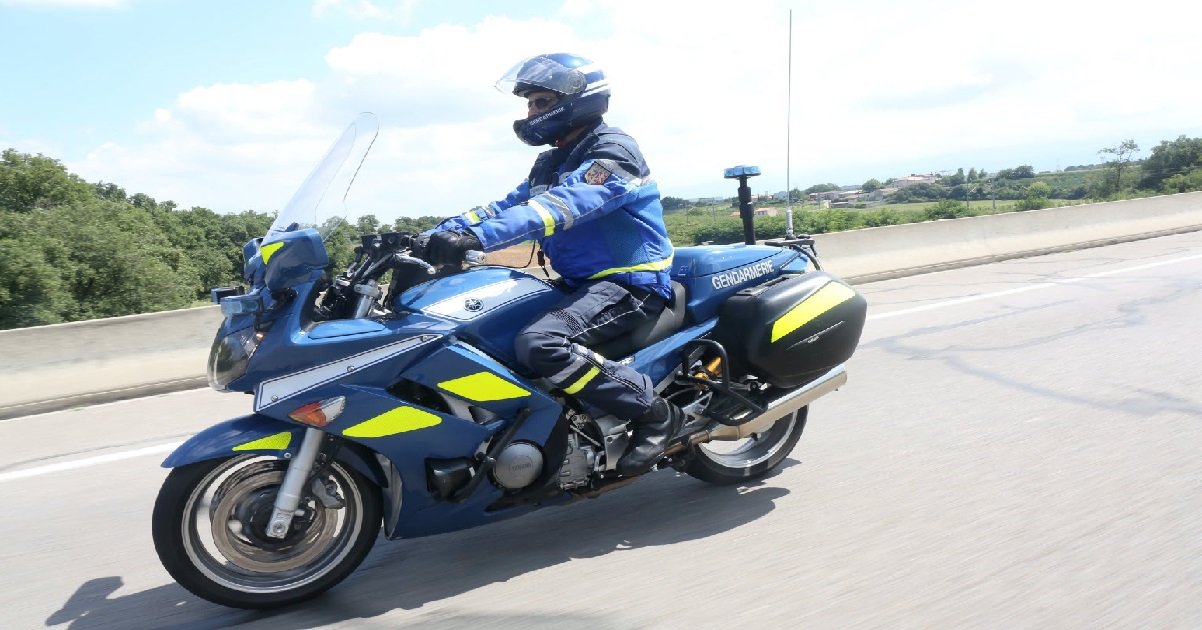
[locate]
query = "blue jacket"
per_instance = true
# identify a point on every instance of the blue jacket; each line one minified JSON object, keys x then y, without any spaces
{"x":593,"y":209}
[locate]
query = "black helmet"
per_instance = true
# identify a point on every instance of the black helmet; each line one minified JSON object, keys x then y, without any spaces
{"x":581,"y":85}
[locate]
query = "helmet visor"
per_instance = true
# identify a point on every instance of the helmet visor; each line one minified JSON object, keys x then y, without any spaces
{"x":541,"y":73}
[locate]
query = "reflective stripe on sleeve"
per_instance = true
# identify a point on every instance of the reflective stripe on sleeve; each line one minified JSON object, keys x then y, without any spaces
{"x":547,"y":217}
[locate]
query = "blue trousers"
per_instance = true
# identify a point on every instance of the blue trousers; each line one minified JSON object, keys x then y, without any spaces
{"x":556,"y":346}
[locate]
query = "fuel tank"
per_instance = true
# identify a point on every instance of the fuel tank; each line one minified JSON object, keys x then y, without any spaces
{"x":488,"y":304}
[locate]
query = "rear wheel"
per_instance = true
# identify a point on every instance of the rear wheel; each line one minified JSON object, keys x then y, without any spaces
{"x":210,"y":521}
{"x":726,"y":462}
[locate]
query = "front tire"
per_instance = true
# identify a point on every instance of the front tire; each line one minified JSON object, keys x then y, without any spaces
{"x":209,"y":523}
{"x":723,"y":462}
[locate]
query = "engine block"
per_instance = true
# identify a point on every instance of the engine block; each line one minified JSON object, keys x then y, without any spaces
{"x":578,"y":463}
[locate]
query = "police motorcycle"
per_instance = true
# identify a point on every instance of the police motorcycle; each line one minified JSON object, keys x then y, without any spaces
{"x":403,"y":407}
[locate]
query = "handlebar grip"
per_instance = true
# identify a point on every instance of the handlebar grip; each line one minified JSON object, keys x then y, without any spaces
{"x":474,"y":257}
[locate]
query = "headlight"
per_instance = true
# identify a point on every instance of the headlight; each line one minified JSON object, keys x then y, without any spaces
{"x":229,"y":356}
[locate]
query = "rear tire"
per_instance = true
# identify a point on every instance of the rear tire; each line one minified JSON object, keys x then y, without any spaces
{"x":723,"y":462}
{"x":208,"y":529}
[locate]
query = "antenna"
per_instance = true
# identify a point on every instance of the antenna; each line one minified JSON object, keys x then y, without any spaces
{"x":788,"y":143}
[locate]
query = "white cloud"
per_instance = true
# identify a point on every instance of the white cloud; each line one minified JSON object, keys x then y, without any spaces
{"x":879,"y":90}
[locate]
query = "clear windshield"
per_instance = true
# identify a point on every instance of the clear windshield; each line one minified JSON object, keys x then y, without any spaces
{"x":321,"y":201}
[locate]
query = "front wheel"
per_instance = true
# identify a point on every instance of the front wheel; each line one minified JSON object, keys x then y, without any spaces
{"x":725,"y":462}
{"x":209,"y":529}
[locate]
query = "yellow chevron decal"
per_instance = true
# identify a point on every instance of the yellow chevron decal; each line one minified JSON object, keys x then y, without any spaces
{"x":269,"y":249}
{"x":277,"y":442}
{"x":483,"y":387}
{"x":392,"y":422}
{"x":829,"y":296}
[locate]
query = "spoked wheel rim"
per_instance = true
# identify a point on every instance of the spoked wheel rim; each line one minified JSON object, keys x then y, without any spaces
{"x":750,"y":451}
{"x":225,"y":519}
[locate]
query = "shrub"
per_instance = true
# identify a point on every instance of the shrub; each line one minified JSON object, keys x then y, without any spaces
{"x":1031,"y":203}
{"x":947,"y":209}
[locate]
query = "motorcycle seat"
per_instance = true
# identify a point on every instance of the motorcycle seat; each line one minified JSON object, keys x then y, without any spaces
{"x":670,"y":320}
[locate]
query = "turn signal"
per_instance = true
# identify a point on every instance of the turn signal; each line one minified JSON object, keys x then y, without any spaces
{"x":320,"y":413}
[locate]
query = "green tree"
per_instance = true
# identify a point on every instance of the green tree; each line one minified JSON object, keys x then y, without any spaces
{"x":29,"y":181}
{"x":871,"y":185}
{"x":33,"y":288}
{"x":111,"y":192}
{"x":674,"y":203}
{"x":1039,"y":189}
{"x":1177,"y":157}
{"x":1121,"y":159}
{"x":415,"y":225}
{"x":114,"y":260}
{"x":821,"y":188}
{"x":367,"y":224}
{"x":1036,"y":197}
{"x":1183,"y":182}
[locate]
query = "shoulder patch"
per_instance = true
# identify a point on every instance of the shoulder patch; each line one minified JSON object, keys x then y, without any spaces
{"x":597,"y":174}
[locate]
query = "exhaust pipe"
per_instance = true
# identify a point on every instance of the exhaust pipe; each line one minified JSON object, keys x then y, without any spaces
{"x":787,"y":404}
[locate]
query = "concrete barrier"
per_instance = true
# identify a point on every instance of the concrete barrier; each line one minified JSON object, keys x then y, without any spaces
{"x":82,"y":363}
{"x":901,"y":250}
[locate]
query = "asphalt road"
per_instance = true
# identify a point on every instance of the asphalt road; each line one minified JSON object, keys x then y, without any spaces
{"x":1018,"y":446}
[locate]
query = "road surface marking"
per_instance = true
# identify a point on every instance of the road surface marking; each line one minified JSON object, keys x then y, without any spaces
{"x":87,"y":462}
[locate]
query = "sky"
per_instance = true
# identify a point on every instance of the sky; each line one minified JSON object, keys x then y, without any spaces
{"x":228,"y":104}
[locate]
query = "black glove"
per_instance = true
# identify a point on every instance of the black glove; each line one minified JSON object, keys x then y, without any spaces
{"x":418,"y":245}
{"x":447,"y":247}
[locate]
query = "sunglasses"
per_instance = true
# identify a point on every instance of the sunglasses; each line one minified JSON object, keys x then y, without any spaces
{"x":541,"y":103}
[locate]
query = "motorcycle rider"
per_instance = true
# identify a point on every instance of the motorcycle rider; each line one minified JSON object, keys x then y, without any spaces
{"x":596,"y":214}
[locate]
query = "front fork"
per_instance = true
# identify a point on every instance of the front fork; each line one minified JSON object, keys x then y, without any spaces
{"x":288,"y":499}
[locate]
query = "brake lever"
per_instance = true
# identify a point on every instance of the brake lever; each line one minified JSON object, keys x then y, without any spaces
{"x":402,"y":259}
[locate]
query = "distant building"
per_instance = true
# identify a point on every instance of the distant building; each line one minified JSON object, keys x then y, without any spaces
{"x":761,"y":212}
{"x":910,"y":180}
{"x":836,"y":196}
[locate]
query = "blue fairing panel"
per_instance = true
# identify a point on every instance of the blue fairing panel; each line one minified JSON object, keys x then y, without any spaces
{"x":248,"y":434}
{"x":260,"y":434}
{"x":713,"y":273}
{"x":663,"y":357}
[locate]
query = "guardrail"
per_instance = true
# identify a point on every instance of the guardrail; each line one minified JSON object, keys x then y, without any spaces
{"x":60,"y":366}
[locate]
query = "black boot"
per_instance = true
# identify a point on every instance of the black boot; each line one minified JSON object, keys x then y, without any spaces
{"x":652,"y":430}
